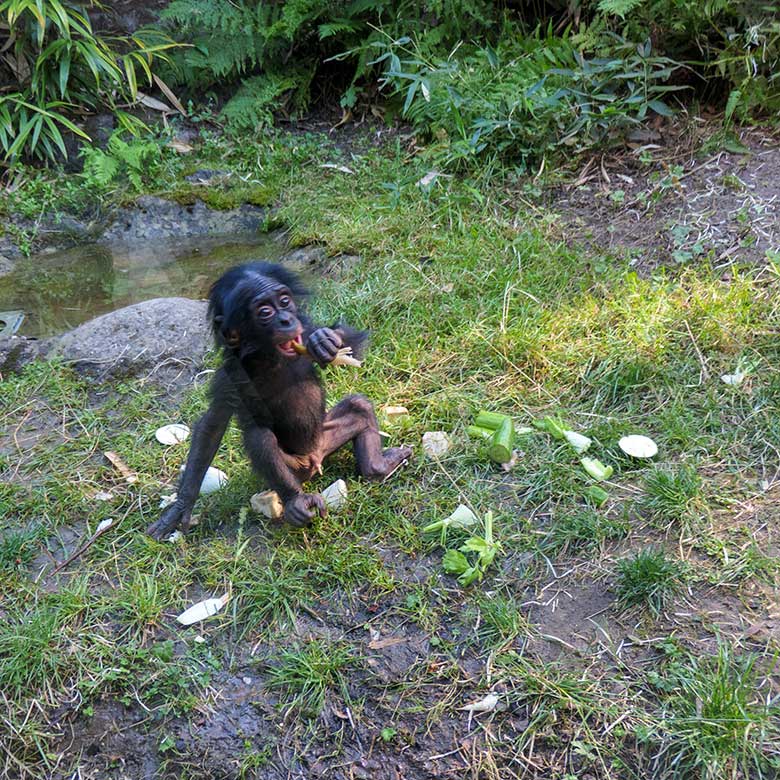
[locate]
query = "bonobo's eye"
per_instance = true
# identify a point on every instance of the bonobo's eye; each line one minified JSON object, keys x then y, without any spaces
{"x":285,"y":301}
{"x":265,"y":312}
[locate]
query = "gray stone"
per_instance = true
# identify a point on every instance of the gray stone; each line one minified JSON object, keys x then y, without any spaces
{"x":17,"y":351}
{"x":155,"y":218}
{"x":155,"y":334}
{"x":6,"y":265}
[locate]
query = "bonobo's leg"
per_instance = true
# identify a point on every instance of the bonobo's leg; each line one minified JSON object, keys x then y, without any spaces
{"x":353,"y":419}
{"x":206,"y":436}
{"x":284,"y":473}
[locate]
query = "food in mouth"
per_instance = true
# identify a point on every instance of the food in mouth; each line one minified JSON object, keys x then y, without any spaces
{"x":292,"y":347}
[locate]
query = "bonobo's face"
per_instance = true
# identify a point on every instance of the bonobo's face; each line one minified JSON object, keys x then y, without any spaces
{"x":275,"y":315}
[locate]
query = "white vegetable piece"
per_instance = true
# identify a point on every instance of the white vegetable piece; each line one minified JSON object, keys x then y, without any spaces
{"x":172,"y":434}
{"x":267,"y":503}
{"x":202,"y":610}
{"x":638,"y":446}
{"x":104,"y":524}
{"x":435,"y":443}
{"x":735,"y":379}
{"x":488,"y":704}
{"x":392,"y":413}
{"x":166,"y":501}
{"x":336,"y":494}
{"x":462,"y":517}
{"x":213,"y":481}
{"x":579,"y":442}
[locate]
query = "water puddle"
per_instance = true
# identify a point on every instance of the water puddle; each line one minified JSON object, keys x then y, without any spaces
{"x":60,"y":290}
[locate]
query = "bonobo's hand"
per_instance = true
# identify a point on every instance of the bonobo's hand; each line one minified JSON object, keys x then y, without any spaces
{"x":323,"y":345}
{"x":175,"y":516}
{"x":299,"y":511}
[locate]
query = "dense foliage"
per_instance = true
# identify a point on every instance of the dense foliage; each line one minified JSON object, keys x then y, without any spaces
{"x":53,"y":66}
{"x":475,"y":77}
{"x":483,"y":77}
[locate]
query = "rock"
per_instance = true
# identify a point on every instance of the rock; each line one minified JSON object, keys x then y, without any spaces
{"x":303,"y":256}
{"x":6,"y":265}
{"x":17,"y":351}
{"x":208,"y":176}
{"x":171,"y":331}
{"x":154,"y":218}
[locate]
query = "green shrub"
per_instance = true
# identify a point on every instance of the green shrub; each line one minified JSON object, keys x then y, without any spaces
{"x":276,"y":49}
{"x":529,"y":96}
{"x":56,"y":63}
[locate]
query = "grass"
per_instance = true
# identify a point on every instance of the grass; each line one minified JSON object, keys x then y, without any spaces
{"x":352,"y":626}
{"x":648,"y":579}
{"x":306,"y":673}
{"x":719,"y":720}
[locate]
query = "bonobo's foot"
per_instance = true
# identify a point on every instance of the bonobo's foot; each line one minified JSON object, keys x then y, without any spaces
{"x":392,"y":460}
{"x":175,"y":516}
{"x":299,"y":510}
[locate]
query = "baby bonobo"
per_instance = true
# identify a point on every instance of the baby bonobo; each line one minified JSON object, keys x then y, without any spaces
{"x":277,"y":396}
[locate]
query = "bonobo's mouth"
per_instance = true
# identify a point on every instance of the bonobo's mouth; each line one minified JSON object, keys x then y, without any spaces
{"x":287,"y":348}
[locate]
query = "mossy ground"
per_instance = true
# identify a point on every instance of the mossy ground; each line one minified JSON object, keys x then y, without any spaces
{"x":345,"y":650}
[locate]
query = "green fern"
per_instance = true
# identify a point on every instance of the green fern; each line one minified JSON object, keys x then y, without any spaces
{"x":251,"y":108}
{"x":132,"y":160}
{"x":619,"y":7}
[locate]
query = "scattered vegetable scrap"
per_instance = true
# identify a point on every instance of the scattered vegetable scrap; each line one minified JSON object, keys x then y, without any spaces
{"x":336,"y":494}
{"x":456,"y":561}
{"x":213,"y":480}
{"x":462,"y":517}
{"x":487,"y":704}
{"x":435,"y":444}
{"x":555,"y":427}
{"x":638,"y":446}
{"x":394,"y":413}
{"x":743,"y":368}
{"x":596,"y":469}
{"x":596,"y":496}
{"x":202,"y":610}
{"x":172,"y":434}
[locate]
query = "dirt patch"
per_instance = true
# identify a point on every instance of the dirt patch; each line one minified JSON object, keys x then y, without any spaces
{"x":684,"y":205}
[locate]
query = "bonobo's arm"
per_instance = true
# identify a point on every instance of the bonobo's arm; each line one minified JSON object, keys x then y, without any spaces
{"x":268,"y":459}
{"x":206,"y":436}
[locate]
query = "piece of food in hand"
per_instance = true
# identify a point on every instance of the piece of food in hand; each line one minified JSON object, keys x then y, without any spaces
{"x":343,"y":356}
{"x":268,"y":504}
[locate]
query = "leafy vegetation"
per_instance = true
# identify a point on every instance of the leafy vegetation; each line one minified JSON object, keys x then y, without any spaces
{"x":55,"y":66}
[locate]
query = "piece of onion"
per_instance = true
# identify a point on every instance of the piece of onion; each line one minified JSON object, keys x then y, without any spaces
{"x":343,"y":356}
{"x":638,"y":446}
{"x":172,"y":434}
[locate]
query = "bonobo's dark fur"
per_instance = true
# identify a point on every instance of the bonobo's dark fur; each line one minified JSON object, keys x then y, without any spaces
{"x":277,"y":395}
